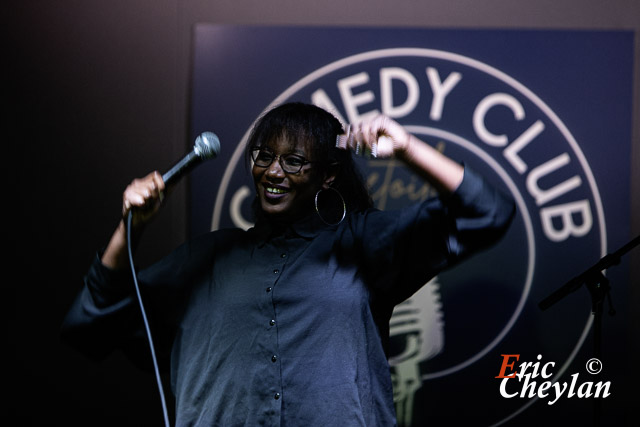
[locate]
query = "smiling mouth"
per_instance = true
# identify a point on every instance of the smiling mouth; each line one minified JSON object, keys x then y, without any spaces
{"x":274,"y":190}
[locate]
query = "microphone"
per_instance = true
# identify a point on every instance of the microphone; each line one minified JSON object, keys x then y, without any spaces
{"x":207,"y":146}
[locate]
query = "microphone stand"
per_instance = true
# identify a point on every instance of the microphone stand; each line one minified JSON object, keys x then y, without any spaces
{"x":599,"y":287}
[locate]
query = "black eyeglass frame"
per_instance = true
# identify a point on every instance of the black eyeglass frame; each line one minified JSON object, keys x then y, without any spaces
{"x":286,"y":168}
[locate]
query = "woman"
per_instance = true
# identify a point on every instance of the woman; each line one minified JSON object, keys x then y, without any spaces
{"x":287,"y":323}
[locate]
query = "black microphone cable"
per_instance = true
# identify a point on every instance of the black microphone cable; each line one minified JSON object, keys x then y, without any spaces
{"x":146,"y":322}
{"x":207,"y":146}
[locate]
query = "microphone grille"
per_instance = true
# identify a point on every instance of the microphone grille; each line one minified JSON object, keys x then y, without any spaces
{"x":207,"y":145}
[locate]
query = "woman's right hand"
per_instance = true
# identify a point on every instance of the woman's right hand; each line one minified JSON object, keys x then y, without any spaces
{"x":144,"y":198}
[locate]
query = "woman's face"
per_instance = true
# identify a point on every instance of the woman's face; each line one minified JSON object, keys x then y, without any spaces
{"x":282,"y":194}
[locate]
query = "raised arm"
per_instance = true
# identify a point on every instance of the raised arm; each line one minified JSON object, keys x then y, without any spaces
{"x":405,"y":248}
{"x":384,"y":137}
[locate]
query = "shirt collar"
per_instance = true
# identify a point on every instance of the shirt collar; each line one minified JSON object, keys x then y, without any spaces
{"x":307,"y":227}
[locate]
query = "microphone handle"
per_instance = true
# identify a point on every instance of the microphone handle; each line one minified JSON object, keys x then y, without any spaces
{"x":180,"y":168}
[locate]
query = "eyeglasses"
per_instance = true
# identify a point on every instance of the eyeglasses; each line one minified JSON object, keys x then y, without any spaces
{"x":290,"y":163}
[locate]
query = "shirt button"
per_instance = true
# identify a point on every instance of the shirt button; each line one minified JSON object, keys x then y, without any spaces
{"x":283,"y":255}
{"x":272,"y":322}
{"x":269,"y":289}
{"x":276,"y":271}
{"x":274,"y":358}
{"x":276,"y":396}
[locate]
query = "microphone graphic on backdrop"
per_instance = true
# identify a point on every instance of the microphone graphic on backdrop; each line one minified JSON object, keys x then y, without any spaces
{"x":207,"y":146}
{"x":418,"y":320}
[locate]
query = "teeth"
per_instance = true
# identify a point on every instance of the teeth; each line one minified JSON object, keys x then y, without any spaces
{"x":275,"y":190}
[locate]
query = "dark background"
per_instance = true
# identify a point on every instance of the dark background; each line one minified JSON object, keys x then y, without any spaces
{"x":96,"y":93}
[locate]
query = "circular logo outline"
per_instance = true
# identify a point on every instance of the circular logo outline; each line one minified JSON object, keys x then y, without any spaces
{"x":472,"y":63}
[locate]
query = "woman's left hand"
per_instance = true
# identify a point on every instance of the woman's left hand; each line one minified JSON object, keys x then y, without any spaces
{"x":382,"y":137}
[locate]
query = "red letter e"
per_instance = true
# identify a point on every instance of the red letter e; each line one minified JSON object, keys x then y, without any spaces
{"x":506,"y":365}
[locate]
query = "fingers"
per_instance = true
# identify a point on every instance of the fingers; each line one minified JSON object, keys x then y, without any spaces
{"x":347,"y":141}
{"x":145,"y":194}
{"x":356,"y":140}
{"x":380,"y":137}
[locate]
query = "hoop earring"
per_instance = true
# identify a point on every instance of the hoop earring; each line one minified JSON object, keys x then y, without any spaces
{"x":344,"y":206}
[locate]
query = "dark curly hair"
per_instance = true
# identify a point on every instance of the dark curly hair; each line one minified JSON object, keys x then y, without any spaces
{"x":298,"y":121}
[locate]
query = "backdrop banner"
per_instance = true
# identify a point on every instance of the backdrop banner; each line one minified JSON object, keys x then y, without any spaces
{"x":545,"y":115}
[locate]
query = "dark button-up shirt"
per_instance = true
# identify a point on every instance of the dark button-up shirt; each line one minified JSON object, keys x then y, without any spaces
{"x":288,"y":325}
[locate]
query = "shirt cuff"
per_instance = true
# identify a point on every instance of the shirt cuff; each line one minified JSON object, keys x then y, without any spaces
{"x":106,"y":284}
